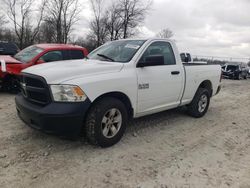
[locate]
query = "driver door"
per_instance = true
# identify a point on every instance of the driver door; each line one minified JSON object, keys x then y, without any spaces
{"x":159,"y":87}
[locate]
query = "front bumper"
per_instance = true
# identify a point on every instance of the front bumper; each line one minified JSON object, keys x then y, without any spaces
{"x":64,"y":119}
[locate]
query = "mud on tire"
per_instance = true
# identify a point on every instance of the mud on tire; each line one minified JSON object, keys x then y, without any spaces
{"x":96,"y":118}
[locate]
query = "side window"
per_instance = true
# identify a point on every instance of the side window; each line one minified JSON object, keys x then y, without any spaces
{"x":52,"y":56}
{"x":160,"y":49}
{"x":76,"y":54}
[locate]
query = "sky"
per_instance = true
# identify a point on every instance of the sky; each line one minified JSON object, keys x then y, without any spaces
{"x":202,"y":27}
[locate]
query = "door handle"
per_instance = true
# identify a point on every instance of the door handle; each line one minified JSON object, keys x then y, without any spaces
{"x":175,"y":72}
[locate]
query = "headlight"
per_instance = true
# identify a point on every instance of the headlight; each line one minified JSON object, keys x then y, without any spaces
{"x":67,"y":93}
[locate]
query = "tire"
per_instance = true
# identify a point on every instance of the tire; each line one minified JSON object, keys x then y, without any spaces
{"x":95,"y":128}
{"x":194,"y":108}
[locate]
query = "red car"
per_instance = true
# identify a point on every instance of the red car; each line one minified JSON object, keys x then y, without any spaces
{"x":11,"y":67}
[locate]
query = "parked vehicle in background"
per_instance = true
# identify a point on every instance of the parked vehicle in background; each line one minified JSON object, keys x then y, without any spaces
{"x":187,"y":58}
{"x":235,"y":71}
{"x":119,"y":80}
{"x":11,"y":67}
{"x":8,"y":48}
{"x":248,"y":71}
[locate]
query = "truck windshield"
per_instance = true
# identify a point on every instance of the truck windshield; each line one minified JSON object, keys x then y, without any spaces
{"x":117,"y":51}
{"x":28,"y":54}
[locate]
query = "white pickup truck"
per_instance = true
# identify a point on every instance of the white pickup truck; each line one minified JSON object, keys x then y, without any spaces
{"x":119,"y":80}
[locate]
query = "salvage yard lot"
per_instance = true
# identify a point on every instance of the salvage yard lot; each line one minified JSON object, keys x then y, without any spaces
{"x":169,"y":149}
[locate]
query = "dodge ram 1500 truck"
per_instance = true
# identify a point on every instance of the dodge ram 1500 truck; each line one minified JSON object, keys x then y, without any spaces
{"x":117,"y":81}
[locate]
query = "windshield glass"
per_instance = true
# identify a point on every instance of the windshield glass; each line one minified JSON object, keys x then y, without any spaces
{"x":28,"y":54}
{"x":118,"y":51}
{"x":232,"y":67}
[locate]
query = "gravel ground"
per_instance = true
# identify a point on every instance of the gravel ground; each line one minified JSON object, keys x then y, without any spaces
{"x":169,"y":149}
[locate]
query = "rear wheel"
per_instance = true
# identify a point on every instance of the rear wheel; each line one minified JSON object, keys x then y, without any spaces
{"x":199,"y":105}
{"x":106,"y":122}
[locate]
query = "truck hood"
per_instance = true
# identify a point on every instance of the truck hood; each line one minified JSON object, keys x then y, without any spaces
{"x":9,"y":60}
{"x":62,"y":71}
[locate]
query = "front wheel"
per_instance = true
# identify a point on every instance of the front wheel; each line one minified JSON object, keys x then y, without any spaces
{"x":199,"y":105}
{"x":106,"y":122}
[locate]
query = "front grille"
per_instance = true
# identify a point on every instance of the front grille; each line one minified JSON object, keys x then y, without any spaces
{"x":35,"y":89}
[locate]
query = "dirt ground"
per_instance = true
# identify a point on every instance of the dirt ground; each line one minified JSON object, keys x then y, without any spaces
{"x":169,"y":149}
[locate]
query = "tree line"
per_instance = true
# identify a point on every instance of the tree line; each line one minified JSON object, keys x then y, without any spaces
{"x":52,"y":21}
{"x":29,"y":21}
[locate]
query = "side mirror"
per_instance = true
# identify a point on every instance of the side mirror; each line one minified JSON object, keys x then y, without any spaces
{"x":154,"y":60}
{"x":186,"y":57}
{"x":189,"y":59}
{"x":39,"y":61}
{"x":183,"y":57}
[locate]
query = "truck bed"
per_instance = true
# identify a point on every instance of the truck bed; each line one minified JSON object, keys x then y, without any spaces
{"x":195,"y":73}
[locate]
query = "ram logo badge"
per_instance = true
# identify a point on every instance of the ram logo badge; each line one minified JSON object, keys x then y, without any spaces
{"x":143,"y":86}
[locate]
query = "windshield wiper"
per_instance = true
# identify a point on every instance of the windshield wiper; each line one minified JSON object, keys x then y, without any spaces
{"x":106,"y":57}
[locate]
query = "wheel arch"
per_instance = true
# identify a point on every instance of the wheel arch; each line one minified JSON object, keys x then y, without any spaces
{"x":120,"y":96}
{"x":207,"y":84}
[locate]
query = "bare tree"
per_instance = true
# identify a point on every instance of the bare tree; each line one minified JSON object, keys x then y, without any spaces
{"x":2,"y":20}
{"x":132,"y":12}
{"x":62,"y":15}
{"x":119,"y":20}
{"x":98,"y":24}
{"x":40,"y":16}
{"x":113,"y":22}
{"x":47,"y":32}
{"x":8,"y":35}
{"x":165,"y":33}
{"x":19,"y":12}
{"x":70,"y":12}
{"x":88,"y":42}
{"x":19,"y":26}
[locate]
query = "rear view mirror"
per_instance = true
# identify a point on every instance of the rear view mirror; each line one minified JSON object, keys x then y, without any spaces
{"x":154,"y":60}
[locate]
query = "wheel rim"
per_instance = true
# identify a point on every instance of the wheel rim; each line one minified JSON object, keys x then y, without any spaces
{"x":111,"y":123}
{"x":202,"y":103}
